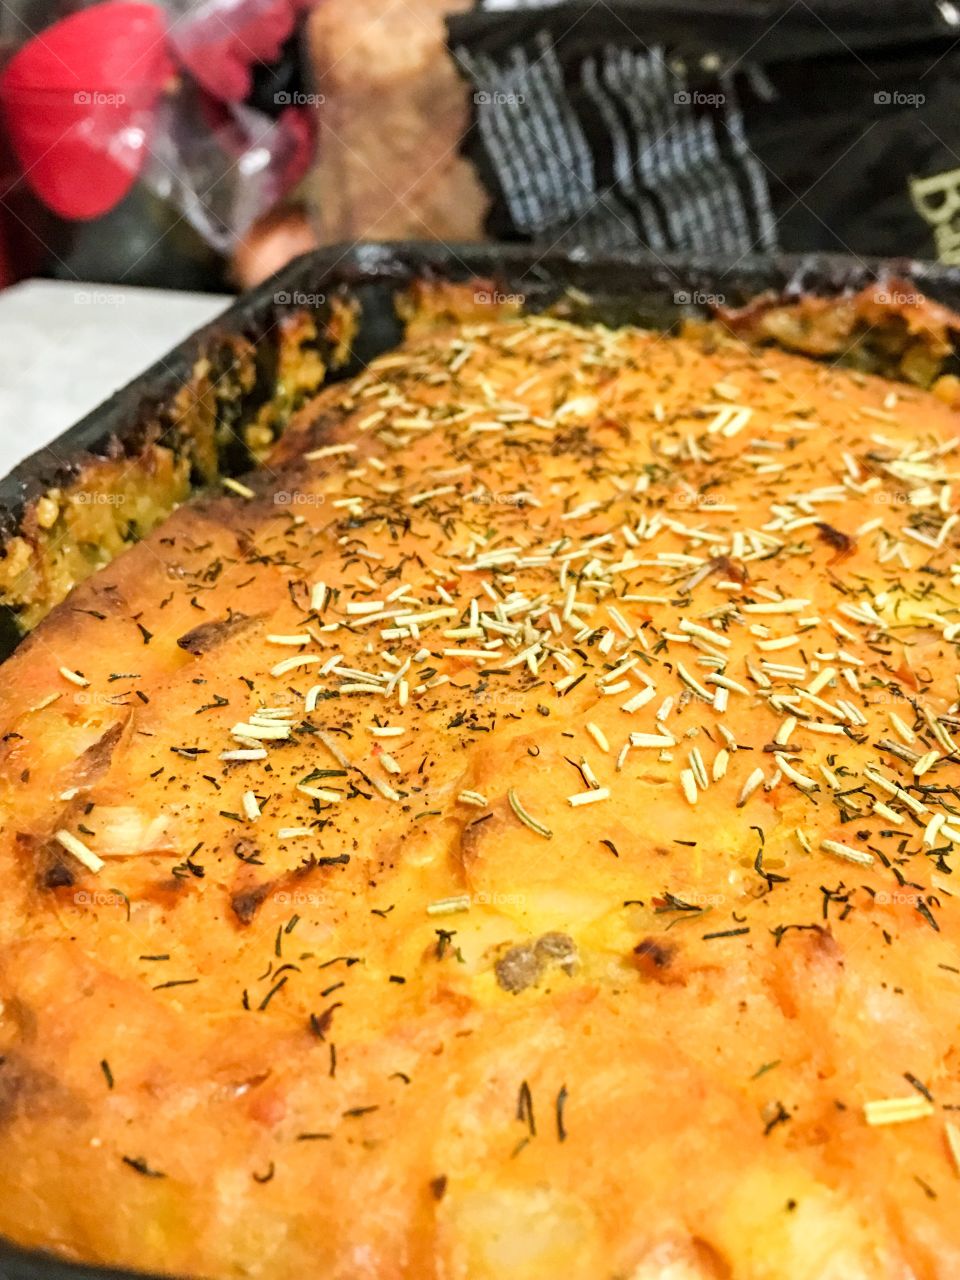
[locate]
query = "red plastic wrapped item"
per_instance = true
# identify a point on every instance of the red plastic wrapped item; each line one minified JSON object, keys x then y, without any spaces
{"x":78,"y":103}
{"x":219,"y":43}
{"x":199,"y":105}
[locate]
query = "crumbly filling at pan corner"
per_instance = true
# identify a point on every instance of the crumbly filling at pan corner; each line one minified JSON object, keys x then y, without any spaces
{"x":513,"y":833}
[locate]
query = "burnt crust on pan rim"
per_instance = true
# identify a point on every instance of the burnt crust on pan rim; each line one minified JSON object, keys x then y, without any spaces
{"x":81,"y":507}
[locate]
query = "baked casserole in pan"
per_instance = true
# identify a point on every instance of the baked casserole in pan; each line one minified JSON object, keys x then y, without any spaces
{"x":512,"y":831}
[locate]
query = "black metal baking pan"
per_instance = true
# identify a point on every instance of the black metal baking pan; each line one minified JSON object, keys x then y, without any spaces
{"x":638,"y":288}
{"x":365,"y":281}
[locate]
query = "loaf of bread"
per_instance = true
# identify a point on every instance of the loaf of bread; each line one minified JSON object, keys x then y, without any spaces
{"x":393,"y":115}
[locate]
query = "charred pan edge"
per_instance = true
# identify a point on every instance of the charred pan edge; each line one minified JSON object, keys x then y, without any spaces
{"x":214,"y":405}
{"x":22,"y":1264}
{"x":257,"y":361}
{"x":212,"y":408}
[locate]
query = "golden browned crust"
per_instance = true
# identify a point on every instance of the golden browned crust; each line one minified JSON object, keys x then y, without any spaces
{"x":580,"y":900}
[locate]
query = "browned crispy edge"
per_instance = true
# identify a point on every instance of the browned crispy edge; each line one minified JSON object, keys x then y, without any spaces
{"x":218,"y":421}
{"x":889,"y":327}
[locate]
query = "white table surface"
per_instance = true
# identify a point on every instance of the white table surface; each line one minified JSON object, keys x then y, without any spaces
{"x":64,"y":347}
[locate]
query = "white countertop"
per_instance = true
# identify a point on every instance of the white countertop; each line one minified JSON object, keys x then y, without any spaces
{"x":65,"y":346}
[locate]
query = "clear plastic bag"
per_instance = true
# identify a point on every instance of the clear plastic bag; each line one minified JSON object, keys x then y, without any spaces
{"x":226,"y":174}
{"x":203,"y":105}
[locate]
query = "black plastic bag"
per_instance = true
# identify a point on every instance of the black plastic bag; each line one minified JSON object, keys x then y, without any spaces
{"x":731,"y":127}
